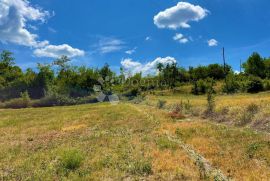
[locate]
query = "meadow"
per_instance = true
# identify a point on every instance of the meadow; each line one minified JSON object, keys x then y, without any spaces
{"x":135,"y":141}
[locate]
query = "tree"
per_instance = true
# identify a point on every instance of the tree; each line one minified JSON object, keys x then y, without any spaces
{"x":8,"y":72}
{"x":62,"y":62}
{"x":6,"y":59}
{"x":42,"y":82}
{"x":267,"y":67}
{"x":255,"y":66}
{"x":170,"y":74}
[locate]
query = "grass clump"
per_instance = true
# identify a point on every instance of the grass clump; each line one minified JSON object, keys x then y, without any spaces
{"x":71,"y":159}
{"x":248,"y":114}
{"x":141,"y":168}
{"x":164,"y":143}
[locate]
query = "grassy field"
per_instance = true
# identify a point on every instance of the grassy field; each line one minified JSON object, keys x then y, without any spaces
{"x":230,"y":109}
{"x":129,"y":142}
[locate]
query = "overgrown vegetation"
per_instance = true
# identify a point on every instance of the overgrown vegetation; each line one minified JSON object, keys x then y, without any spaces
{"x":60,"y":83}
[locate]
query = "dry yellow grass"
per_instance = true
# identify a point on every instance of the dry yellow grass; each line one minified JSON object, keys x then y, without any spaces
{"x":127,"y":142}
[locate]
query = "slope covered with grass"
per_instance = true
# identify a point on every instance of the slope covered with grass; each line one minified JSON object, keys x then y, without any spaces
{"x":123,"y":142}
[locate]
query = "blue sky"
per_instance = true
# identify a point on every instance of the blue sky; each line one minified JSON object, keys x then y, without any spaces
{"x":124,"y":32}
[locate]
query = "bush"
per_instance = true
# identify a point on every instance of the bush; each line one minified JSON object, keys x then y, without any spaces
{"x":266,"y":85}
{"x":19,"y":103}
{"x":210,"y":100}
{"x":201,"y":87}
{"x":71,"y":159}
{"x":231,"y":85}
{"x":161,"y":104}
{"x":132,"y":92}
{"x":57,"y":100}
{"x":248,"y":114}
{"x":254,"y":84}
{"x":2,"y":105}
{"x":47,"y":101}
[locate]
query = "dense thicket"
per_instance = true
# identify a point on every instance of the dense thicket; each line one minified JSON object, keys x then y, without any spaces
{"x":59,"y":80}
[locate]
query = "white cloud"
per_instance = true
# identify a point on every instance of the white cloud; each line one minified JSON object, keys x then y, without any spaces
{"x":14,"y":18}
{"x":130,"y":52}
{"x":55,"y":51}
{"x":109,"y":45}
{"x":148,"y":38}
{"x":180,"y":38}
{"x":134,"y":67}
{"x":179,"y":16}
{"x":14,"y":14}
{"x":212,"y":43}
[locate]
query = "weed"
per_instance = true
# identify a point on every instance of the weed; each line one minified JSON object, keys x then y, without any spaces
{"x":178,"y":132}
{"x":252,"y":108}
{"x":164,"y":143}
{"x":141,"y":168}
{"x":248,"y":114}
{"x":71,"y":159}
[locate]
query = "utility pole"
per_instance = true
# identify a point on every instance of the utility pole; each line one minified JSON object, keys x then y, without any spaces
{"x":224,"y":62}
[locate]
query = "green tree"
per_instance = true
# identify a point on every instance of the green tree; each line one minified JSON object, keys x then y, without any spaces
{"x":255,"y":66}
{"x":42,"y":82}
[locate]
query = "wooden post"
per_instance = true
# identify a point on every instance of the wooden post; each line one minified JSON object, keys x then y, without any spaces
{"x":224,"y":62}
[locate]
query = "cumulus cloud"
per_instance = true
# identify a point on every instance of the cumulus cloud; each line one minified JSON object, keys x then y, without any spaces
{"x":212,"y":43}
{"x":179,"y":16}
{"x":180,"y":38}
{"x":109,"y":45}
{"x":134,"y":67}
{"x":55,"y":51}
{"x":15,"y":16}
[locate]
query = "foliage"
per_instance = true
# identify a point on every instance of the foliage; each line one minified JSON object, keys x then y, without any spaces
{"x":71,"y":159}
{"x":60,"y":83}
{"x":201,"y":87}
{"x":164,"y":143}
{"x":254,"y":84}
{"x":231,"y":85}
{"x":255,"y":66}
{"x":266,"y":85}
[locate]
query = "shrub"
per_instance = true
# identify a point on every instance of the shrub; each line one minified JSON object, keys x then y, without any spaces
{"x":2,"y":105}
{"x":252,"y":108}
{"x":201,"y":87}
{"x":210,"y":99}
{"x":71,"y":159}
{"x":231,"y":85}
{"x":161,"y":104}
{"x":138,"y":99}
{"x":132,"y":92}
{"x":266,"y":85}
{"x":248,"y":114}
{"x":254,"y":85}
{"x":18,"y":103}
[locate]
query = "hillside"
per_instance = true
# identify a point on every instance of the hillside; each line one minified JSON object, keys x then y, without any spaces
{"x":127,"y":142}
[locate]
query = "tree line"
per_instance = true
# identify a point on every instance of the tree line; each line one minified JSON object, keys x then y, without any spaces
{"x":60,"y":80}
